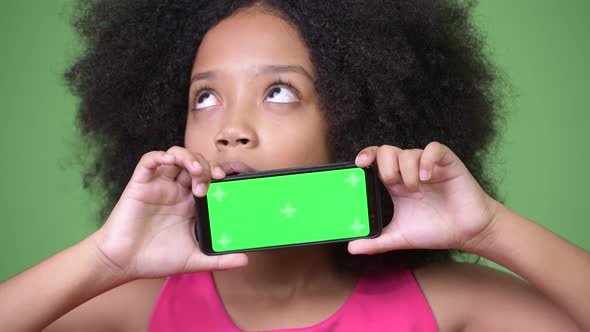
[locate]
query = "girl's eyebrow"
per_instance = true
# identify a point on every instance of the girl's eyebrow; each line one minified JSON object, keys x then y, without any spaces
{"x":203,"y":76}
{"x":277,"y":69}
{"x":264,"y":69}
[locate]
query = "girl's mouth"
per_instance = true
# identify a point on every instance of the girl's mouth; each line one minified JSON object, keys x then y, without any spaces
{"x":234,"y":167}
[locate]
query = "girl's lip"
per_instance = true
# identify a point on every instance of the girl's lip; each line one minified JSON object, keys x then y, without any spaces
{"x":235,"y":166}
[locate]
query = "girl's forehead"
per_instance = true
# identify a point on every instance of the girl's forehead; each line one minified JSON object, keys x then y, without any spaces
{"x":252,"y":38}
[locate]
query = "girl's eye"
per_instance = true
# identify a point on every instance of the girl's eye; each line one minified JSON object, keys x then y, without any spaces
{"x":206,"y":99}
{"x":281,"y":95}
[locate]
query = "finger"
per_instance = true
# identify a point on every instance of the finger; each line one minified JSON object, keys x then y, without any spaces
{"x":149,"y":164}
{"x":434,"y":154}
{"x":187,"y":172}
{"x":185,"y":159}
{"x":384,"y":243}
{"x":387,"y":160}
{"x":196,"y":166}
{"x":366,"y":156}
{"x":201,"y":262}
{"x":172,"y":171}
{"x":196,"y":176}
{"x":409,"y":163}
{"x":184,"y":177}
{"x":201,"y":182}
{"x":217,"y":171}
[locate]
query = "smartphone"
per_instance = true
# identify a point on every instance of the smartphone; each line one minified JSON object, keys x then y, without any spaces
{"x":288,"y":208}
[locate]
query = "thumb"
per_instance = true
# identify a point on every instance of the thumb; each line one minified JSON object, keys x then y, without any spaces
{"x":200,"y":262}
{"x":385,"y":242}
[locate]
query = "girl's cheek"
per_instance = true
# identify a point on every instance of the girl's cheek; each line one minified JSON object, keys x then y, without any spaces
{"x":198,"y":138}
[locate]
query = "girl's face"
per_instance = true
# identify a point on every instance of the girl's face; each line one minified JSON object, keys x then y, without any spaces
{"x":252,"y":97}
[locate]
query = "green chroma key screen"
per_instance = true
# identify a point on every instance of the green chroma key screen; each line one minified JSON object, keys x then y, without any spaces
{"x":288,"y":209}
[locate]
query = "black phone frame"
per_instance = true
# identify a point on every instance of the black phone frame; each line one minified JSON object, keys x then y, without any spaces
{"x":202,"y":229}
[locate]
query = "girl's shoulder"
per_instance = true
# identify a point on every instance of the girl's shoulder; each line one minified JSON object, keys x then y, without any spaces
{"x":466,"y":296}
{"x":125,"y":308}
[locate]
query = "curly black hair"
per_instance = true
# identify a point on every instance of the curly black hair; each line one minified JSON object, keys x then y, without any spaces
{"x":399,"y":72}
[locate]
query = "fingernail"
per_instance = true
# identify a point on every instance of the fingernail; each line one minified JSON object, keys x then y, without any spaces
{"x":361,"y":158}
{"x":424,"y":175}
{"x":218,"y":171}
{"x":201,"y":189}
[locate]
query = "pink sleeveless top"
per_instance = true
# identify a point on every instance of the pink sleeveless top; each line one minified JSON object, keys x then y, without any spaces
{"x":389,"y":302}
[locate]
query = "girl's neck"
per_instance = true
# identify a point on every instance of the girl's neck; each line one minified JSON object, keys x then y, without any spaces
{"x":285,"y":273}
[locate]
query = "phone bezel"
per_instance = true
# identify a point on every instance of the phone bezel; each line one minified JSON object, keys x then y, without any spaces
{"x":202,"y":229}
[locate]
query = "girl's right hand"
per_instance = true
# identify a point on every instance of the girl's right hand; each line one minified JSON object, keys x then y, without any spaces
{"x":150,"y":232}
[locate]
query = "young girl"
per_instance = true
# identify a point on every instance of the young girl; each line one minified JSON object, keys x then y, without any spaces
{"x":199,"y":90}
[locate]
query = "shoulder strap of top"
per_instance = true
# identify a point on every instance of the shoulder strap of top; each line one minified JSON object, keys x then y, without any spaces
{"x":188,"y":301}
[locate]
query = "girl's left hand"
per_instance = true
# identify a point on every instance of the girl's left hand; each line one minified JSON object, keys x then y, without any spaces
{"x":437,"y":202}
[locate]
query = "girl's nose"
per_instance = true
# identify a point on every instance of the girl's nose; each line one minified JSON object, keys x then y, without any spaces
{"x":236,"y":137}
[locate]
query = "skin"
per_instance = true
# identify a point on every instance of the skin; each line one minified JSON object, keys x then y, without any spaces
{"x":111,"y":279}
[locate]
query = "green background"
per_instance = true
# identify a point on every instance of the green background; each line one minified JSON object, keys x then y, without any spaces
{"x":541,"y":163}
